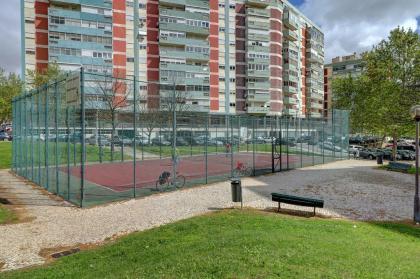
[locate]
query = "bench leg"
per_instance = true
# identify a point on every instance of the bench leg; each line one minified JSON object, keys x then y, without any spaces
{"x":278,"y":209}
{"x":314,"y":211}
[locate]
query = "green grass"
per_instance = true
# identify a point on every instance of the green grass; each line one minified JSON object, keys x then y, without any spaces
{"x":411,"y":170}
{"x":166,"y":151}
{"x":6,"y":215}
{"x":248,"y":244}
{"x":5,"y":154}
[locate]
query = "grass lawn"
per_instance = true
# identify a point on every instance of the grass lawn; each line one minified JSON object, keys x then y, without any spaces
{"x":411,"y":170}
{"x":195,"y":150}
{"x":5,"y":154}
{"x":6,"y":215}
{"x":248,"y":244}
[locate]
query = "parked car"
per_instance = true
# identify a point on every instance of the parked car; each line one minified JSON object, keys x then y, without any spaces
{"x":304,"y":139}
{"x":354,"y":148}
{"x":141,"y":140}
{"x":4,"y":136}
{"x":160,"y":141}
{"x":370,"y":154}
{"x":120,"y":140}
{"x":215,"y":142}
{"x":406,"y":155}
{"x":286,"y":141}
{"x":327,"y":145}
{"x":100,"y":140}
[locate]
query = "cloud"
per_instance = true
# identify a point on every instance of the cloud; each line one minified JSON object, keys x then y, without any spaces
{"x":356,"y":25}
{"x":10,"y":35}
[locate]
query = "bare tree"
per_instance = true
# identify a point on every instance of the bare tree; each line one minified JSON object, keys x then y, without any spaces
{"x":111,"y":96}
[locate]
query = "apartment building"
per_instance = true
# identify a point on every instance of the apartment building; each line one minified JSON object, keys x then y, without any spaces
{"x":340,"y":66}
{"x":239,"y":57}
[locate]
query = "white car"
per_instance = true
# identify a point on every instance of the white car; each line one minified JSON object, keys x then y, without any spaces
{"x":353,"y":148}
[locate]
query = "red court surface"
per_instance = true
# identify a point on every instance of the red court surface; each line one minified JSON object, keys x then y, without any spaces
{"x":118,"y":176}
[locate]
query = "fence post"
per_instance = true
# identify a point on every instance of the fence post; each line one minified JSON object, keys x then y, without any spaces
{"x":83,"y":157}
{"x":32,"y":137}
{"x":253,"y":143}
{"x":26,"y":133}
{"x":206,"y":146}
{"x":287,"y":142}
{"x":47,"y":135}
{"x":39,"y":136}
{"x":134,"y":133}
{"x":68,"y":152}
{"x":230,"y":117}
{"x":57,"y":98}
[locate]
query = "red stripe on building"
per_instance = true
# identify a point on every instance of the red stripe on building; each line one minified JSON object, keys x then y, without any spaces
{"x":152,"y":21}
{"x":304,"y":90}
{"x":240,"y":57}
{"x":275,"y":62}
{"x":214,"y":56}
{"x":41,"y":35}
{"x":119,"y":60}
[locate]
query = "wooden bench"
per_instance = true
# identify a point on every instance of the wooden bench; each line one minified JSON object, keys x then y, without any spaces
{"x":399,"y":166}
{"x":282,"y":198}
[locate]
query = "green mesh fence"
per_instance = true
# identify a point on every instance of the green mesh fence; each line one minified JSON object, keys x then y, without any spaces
{"x":92,"y":138}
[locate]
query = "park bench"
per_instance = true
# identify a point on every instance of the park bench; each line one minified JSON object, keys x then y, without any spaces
{"x":282,"y":198}
{"x":399,"y":166}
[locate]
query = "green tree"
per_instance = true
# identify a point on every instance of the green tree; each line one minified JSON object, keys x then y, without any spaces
{"x":381,"y":98}
{"x":10,"y":86}
{"x":37,"y":78}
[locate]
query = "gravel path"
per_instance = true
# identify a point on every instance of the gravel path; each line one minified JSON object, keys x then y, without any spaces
{"x":351,"y":189}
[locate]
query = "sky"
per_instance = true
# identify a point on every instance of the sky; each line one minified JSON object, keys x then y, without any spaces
{"x":349,"y":25}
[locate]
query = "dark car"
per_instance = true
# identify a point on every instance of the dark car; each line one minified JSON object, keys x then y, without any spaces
{"x":406,"y":154}
{"x":366,"y":153}
{"x":286,"y":141}
{"x":4,"y":136}
{"x":304,"y":139}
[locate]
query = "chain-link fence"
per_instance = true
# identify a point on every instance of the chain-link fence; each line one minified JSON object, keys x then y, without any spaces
{"x":92,"y":138}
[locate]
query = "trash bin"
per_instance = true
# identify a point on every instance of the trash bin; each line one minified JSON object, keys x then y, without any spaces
{"x":235,"y":184}
{"x":380,"y":159}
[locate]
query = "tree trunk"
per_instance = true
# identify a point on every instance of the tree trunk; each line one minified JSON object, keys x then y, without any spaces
{"x":112,"y":134}
{"x":394,"y":145}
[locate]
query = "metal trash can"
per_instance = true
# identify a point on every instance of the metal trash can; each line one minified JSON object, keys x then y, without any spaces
{"x":380,"y":159}
{"x":235,"y":184}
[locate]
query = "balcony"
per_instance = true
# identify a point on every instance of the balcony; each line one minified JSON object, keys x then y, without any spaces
{"x":172,"y":53}
{"x":316,"y":106}
{"x":259,"y":97}
{"x":197,"y":81}
{"x":258,"y":37}
{"x":257,"y":12}
{"x":253,"y":73}
{"x":183,"y":14}
{"x":179,"y":27}
{"x":264,"y":49}
{"x":258,"y":85}
{"x":290,"y":35}
{"x":290,"y":111}
{"x":264,"y":110}
{"x":257,"y":24}
{"x":197,"y":30}
{"x":291,"y":24}
{"x":197,"y":56}
{"x":198,"y":3}
{"x":289,"y":77}
{"x":173,"y":2}
{"x":184,"y":67}
{"x":314,"y":58}
{"x":317,"y":96}
{"x":290,"y":67}
{"x":290,"y":101}
{"x":315,"y":114}
{"x":290,"y":90}
{"x":258,"y":3}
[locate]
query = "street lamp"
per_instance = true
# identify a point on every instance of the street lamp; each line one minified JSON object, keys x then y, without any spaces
{"x":415,"y":114}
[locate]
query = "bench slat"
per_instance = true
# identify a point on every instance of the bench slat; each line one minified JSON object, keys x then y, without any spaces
{"x":297,"y":200}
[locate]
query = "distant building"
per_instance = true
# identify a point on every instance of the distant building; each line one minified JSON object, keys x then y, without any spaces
{"x":260,"y":57}
{"x":340,"y":66}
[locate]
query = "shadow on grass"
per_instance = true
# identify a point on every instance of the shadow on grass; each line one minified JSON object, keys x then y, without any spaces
{"x":404,"y":228}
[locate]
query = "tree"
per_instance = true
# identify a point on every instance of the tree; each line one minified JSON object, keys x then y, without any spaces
{"x":10,"y":86}
{"x":38,"y":78}
{"x":110,"y":97}
{"x":381,"y":98}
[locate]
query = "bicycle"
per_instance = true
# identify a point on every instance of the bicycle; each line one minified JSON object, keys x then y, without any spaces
{"x":165,"y":180}
{"x":242,"y":170}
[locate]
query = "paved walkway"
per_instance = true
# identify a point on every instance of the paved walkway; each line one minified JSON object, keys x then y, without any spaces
{"x":351,"y":189}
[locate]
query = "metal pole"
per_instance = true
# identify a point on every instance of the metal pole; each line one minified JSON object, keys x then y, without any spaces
{"x":416,"y":196}
{"x":206,"y":147}
{"x":68,"y":153}
{"x":39,"y":136}
{"x":253,"y":144}
{"x":174,"y":133}
{"x":83,"y":157}
{"x":47,"y":135}
{"x":32,"y":136}
{"x":26,"y":135}
{"x":135,"y":126}
{"x":56,"y":136}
